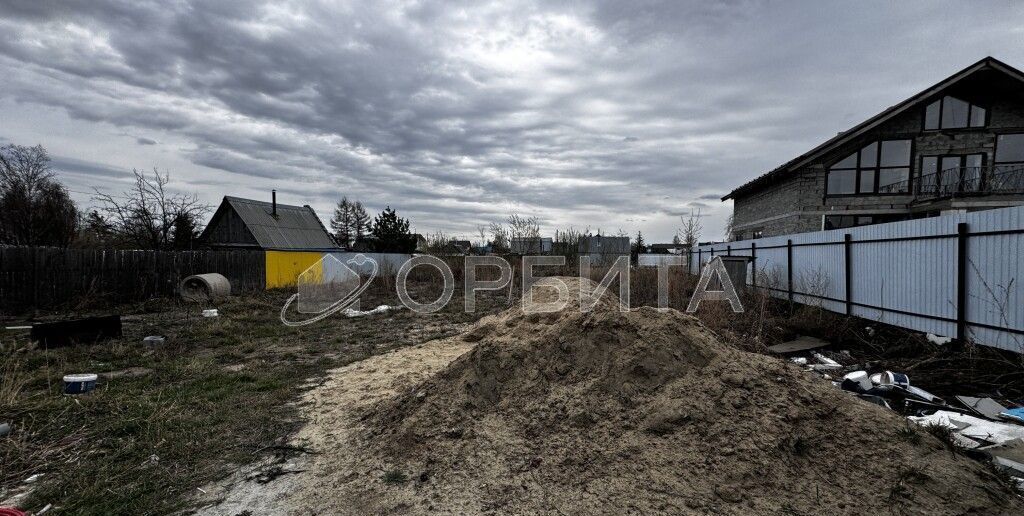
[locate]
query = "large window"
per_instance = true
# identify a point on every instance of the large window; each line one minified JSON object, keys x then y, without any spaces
{"x":950,"y":173}
{"x":1010,"y":149}
{"x":1008,"y":175}
{"x":953,"y":113}
{"x":878,"y":167}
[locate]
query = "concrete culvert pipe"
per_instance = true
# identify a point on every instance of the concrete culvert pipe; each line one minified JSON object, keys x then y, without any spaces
{"x":204,"y":287}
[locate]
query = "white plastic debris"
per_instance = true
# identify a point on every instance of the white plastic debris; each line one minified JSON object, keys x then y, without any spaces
{"x":824,"y":363}
{"x":212,"y":312}
{"x":938,"y":340}
{"x":861,"y":378}
{"x":348,"y":312}
{"x":799,"y":360}
{"x":33,"y":478}
{"x":973,"y":428}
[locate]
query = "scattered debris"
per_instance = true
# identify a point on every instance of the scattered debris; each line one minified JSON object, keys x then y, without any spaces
{"x":211,"y":312}
{"x":5,"y":428}
{"x":131,"y":372}
{"x":87,"y":330}
{"x":204,"y":287}
{"x":32,"y":479}
{"x":802,"y":343}
{"x":1008,"y":455}
{"x":348,"y":312}
{"x":825,"y":363}
{"x":938,"y":340}
{"x":986,"y":407}
{"x":11,"y":511}
{"x":799,"y":360}
{"x":1016,"y":415}
{"x":153,"y":340}
{"x":79,"y":383}
{"x":974,"y":428}
{"x":860,"y":379}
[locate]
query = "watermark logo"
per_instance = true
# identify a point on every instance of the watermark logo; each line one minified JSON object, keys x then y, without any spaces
{"x":330,"y":285}
{"x":333,"y":285}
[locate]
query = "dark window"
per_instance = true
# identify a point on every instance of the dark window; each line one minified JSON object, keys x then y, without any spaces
{"x":879,"y":167}
{"x":841,"y":182}
{"x":953,"y":113}
{"x":950,"y":174}
{"x":896,"y":153}
{"x":1010,"y":148}
{"x":894,"y":180}
{"x":931,"y":115}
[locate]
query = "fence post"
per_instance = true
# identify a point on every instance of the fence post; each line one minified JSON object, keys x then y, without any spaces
{"x":699,"y":256}
{"x":961,"y":281}
{"x":753,"y":264}
{"x":847,"y":252}
{"x":728,"y":250}
{"x":789,"y":270}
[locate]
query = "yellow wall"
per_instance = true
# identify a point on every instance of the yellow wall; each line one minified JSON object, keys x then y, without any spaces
{"x":284,"y":267}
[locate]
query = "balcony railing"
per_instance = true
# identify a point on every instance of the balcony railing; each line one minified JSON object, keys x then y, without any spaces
{"x":963,"y":181}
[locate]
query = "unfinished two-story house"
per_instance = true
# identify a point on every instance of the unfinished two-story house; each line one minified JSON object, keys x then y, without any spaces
{"x":958,"y":145}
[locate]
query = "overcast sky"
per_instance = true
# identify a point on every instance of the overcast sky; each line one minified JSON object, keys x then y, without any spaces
{"x":607,"y":115}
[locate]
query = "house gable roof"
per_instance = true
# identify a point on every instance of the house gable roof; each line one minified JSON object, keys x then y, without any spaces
{"x":873,"y":122}
{"x":295,"y":227}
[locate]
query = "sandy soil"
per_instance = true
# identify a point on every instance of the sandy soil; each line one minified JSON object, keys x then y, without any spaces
{"x":305,"y":485}
{"x":607,"y":412}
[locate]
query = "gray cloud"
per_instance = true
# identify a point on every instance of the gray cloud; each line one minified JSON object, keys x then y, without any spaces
{"x":602,"y":114}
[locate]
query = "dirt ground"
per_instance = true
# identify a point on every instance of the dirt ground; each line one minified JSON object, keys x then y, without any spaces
{"x":608,"y":412}
{"x":164,"y":421}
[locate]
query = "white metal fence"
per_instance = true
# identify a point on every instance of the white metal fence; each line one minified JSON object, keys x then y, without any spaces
{"x":956,"y":275}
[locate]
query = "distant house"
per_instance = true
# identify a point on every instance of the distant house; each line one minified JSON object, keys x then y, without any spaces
{"x":530,"y":245}
{"x":957,"y":146}
{"x":604,"y":249}
{"x":460,"y":246}
{"x":249,"y":224}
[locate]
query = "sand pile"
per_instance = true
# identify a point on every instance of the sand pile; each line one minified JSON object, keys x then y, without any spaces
{"x":643,"y":412}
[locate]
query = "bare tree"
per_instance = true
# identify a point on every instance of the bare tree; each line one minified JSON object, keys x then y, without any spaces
{"x":692,"y":227}
{"x":482,"y":231}
{"x":525,"y":230}
{"x":35,"y":209}
{"x":147,"y":215}
{"x":499,"y":237}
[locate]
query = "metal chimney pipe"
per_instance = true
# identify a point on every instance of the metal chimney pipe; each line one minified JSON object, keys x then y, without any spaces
{"x":273,"y":201}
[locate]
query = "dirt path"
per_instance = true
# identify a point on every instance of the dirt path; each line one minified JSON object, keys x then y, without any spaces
{"x":310,"y":484}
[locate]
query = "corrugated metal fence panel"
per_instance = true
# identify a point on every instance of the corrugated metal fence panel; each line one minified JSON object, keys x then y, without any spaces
{"x":995,"y":272}
{"x":901,"y":279}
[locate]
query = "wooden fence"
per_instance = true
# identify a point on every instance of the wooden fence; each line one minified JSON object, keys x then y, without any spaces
{"x":50,"y":277}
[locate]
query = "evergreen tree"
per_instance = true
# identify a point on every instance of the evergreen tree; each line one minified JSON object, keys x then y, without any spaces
{"x":342,"y":223}
{"x":391,"y":233}
{"x":361,"y":223}
{"x":638,"y":246}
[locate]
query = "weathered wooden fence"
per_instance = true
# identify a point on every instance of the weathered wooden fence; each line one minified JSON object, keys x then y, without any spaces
{"x":48,"y":277}
{"x":957,"y":275}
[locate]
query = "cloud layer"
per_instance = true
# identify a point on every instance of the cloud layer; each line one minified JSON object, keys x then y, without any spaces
{"x":605,"y":115}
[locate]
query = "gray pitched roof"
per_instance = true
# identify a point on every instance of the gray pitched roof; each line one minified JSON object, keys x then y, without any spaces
{"x":296,"y":227}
